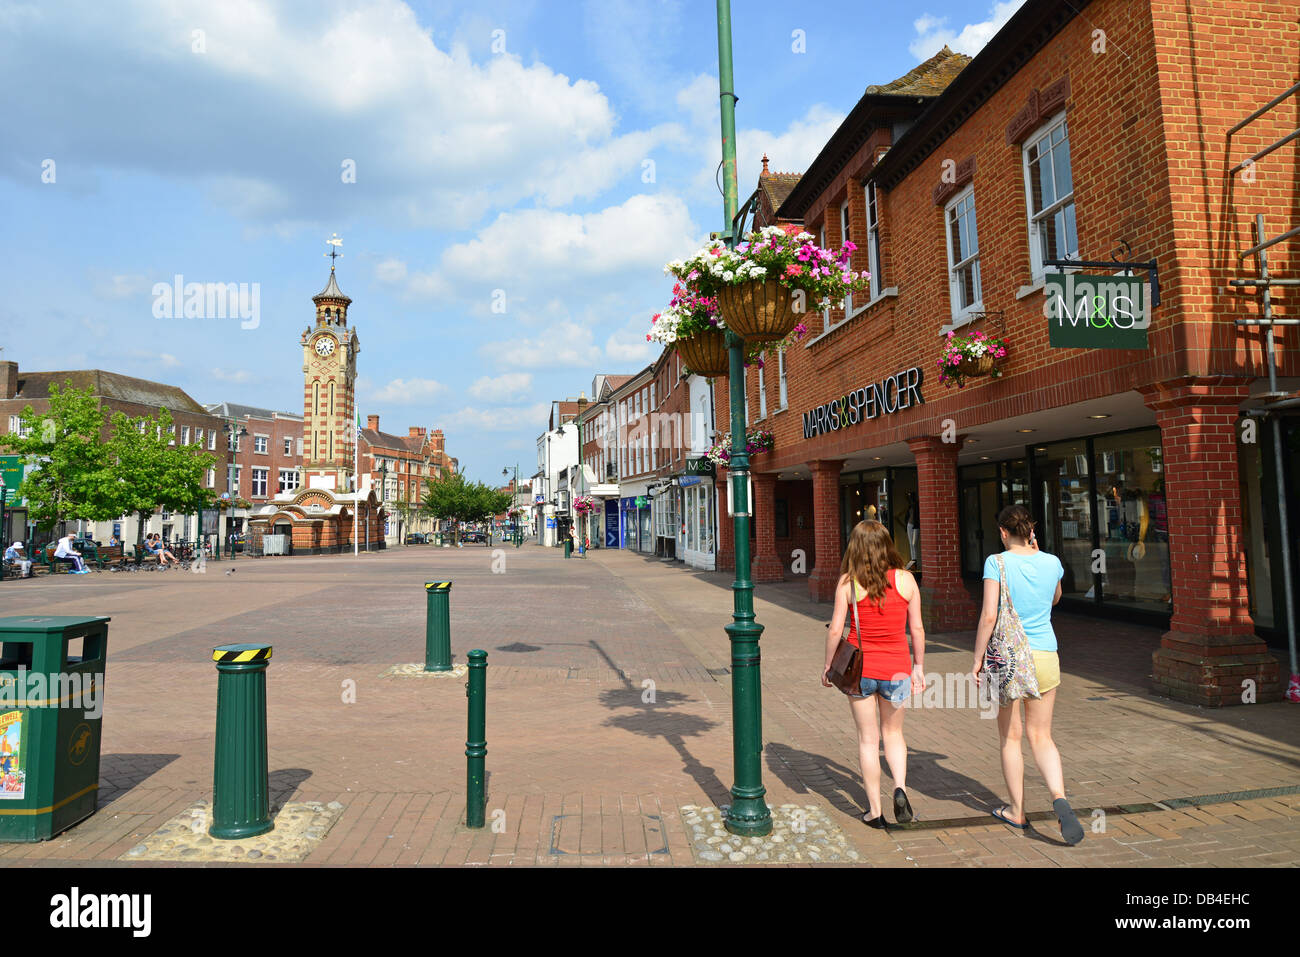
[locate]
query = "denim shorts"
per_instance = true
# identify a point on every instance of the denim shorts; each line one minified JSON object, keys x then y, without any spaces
{"x":895,"y":692}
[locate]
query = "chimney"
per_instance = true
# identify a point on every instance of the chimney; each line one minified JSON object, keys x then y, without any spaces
{"x":416,"y":432}
{"x":8,"y":380}
{"x":437,"y":440}
{"x":582,"y":402}
{"x":372,"y":423}
{"x":765,"y":170}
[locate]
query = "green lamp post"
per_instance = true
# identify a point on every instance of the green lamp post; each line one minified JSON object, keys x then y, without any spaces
{"x":234,"y":432}
{"x":748,"y":815}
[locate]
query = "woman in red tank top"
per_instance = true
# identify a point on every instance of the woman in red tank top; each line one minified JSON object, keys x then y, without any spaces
{"x":888,"y":604}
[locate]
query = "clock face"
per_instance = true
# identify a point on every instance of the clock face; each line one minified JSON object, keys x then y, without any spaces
{"x":324,"y":346}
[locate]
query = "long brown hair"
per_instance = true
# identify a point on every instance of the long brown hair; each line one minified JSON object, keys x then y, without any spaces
{"x":869,"y":557}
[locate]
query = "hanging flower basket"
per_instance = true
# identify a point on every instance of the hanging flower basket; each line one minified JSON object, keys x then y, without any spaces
{"x":970,"y":357}
{"x":759,"y":310}
{"x":757,"y":441}
{"x":705,"y":352}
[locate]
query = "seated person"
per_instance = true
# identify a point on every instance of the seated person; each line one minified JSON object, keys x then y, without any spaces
{"x":64,"y":552}
{"x":156,"y":548}
{"x":15,"y":555}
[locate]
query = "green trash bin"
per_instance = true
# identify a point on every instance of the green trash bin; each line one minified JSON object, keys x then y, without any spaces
{"x":51,"y":696}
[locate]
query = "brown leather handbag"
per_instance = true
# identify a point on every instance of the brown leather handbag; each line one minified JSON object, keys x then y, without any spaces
{"x":845,"y":671}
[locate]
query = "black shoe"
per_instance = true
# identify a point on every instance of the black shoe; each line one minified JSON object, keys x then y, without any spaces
{"x":878,"y":822}
{"x":902,"y":808}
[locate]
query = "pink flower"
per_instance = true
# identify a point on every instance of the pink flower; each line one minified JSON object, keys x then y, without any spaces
{"x":793,"y":269}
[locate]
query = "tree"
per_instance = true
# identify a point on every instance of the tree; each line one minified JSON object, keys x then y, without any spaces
{"x":452,"y":497}
{"x":145,"y":472}
{"x":66,"y":446}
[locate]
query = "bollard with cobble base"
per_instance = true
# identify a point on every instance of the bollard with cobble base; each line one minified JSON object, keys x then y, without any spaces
{"x":241,"y":804}
{"x":476,"y":742}
{"x":437,"y":626}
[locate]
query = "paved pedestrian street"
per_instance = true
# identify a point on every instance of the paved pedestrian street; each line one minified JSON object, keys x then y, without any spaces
{"x":609,"y":724}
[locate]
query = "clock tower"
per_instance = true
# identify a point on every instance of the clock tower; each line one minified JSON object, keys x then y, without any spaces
{"x":329,"y":368}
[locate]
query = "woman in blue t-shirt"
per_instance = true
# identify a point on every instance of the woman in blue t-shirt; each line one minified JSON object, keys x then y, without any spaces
{"x":1034,"y":585}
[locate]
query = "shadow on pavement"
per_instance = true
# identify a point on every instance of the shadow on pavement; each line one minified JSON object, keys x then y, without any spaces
{"x":120,"y":773}
{"x":283,"y":784}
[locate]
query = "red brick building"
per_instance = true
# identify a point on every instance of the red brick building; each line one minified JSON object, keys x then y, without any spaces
{"x":1092,"y":131}
{"x":403,"y":463}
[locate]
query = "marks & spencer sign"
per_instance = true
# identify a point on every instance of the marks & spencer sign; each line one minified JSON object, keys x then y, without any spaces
{"x":1096,"y":312}
{"x":891,"y":394}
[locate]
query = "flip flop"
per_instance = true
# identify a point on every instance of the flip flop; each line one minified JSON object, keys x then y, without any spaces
{"x":1006,"y":820}
{"x":1071,"y":829}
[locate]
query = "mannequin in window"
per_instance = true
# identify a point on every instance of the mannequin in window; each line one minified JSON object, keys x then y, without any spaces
{"x":912,"y":519}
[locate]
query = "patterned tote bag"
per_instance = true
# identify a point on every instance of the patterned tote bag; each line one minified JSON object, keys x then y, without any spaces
{"x":1007,"y":660}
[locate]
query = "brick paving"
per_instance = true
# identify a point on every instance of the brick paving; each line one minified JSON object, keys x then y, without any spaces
{"x":583,"y":769}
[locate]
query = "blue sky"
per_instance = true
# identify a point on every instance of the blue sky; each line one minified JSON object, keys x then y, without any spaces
{"x":545,"y":158}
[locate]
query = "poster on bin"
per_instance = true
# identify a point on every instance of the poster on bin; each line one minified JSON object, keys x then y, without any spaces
{"x":12,"y":777}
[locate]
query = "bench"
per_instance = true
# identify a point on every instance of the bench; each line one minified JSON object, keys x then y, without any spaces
{"x":141,"y":555}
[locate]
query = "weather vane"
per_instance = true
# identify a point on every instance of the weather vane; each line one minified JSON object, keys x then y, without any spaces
{"x":334,"y":253}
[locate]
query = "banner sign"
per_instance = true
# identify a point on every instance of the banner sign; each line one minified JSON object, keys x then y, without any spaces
{"x":208,"y":521}
{"x":892,"y":394}
{"x":11,"y":466}
{"x":611,"y":524}
{"x":1096,"y":312}
{"x":700,"y":466}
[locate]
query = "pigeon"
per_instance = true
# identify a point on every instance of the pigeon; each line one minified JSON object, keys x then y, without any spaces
{"x":229,"y":572}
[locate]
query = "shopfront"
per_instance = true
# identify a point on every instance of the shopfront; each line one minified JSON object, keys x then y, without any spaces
{"x":1263,"y":535}
{"x":698,"y":522}
{"x":666,"y":508}
{"x":637,"y":523}
{"x":1099,"y":505}
{"x":888,"y":496}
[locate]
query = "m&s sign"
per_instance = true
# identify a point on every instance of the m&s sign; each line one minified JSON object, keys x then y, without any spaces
{"x":1096,"y":312}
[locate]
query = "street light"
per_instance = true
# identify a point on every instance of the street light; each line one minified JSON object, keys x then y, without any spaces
{"x":514,"y":503}
{"x":232,"y":446}
{"x":748,"y":815}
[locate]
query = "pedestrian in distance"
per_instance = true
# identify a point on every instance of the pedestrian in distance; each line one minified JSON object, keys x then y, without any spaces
{"x":1021,"y":585}
{"x":883,"y":602}
{"x":64,"y":552}
{"x":15,"y":555}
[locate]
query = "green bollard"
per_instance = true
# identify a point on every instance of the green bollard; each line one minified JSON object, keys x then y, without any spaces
{"x":476,"y":744}
{"x":437,"y":627}
{"x":568,"y":547}
{"x":240,"y":801}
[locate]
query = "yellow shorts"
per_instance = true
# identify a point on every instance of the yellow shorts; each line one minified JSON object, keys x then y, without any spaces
{"x":1047,"y":667}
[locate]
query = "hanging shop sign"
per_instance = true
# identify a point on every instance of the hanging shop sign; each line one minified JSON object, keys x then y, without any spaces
{"x":1096,"y":312}
{"x":891,"y":394}
{"x":642,"y":502}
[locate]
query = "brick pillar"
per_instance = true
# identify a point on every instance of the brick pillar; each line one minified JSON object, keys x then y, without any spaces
{"x":1211,"y":647}
{"x":826,"y":530}
{"x":767,"y":563}
{"x":726,"y":559}
{"x":945,"y":603}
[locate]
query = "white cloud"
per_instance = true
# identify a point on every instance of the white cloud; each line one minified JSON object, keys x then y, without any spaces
{"x":502,"y":419}
{"x":390,"y":270}
{"x":437,"y":137}
{"x":932,"y":32}
{"x":508,"y":387}
{"x":407,"y":391}
{"x":238,"y":375}
{"x":123,"y":286}
{"x":565,"y":344}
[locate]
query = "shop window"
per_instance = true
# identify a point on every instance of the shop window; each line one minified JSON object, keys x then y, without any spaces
{"x":963,"y":256}
{"x":1132,"y":524}
{"x":781,"y":514}
{"x":1049,"y":188}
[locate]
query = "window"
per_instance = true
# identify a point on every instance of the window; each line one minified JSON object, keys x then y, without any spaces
{"x":185,"y":435}
{"x":234,"y":487}
{"x":782,"y":394}
{"x":288,"y":445}
{"x":300,"y":445}
{"x":212,"y":441}
{"x":16,"y":426}
{"x":288,"y":480}
{"x":212,"y":478}
{"x":762,"y":395}
{"x":744,"y":387}
{"x":259,"y":482}
{"x":844,"y":238}
{"x":1049,"y":185}
{"x":873,"y":241}
{"x":963,"y":254}
{"x":260,"y":444}
{"x":652,"y":397}
{"x":232,"y":441}
{"x":172,"y":430}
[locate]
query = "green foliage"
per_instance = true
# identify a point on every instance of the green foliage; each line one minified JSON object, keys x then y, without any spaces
{"x":452,"y":496}
{"x":66,"y":450}
{"x":143,"y":472}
